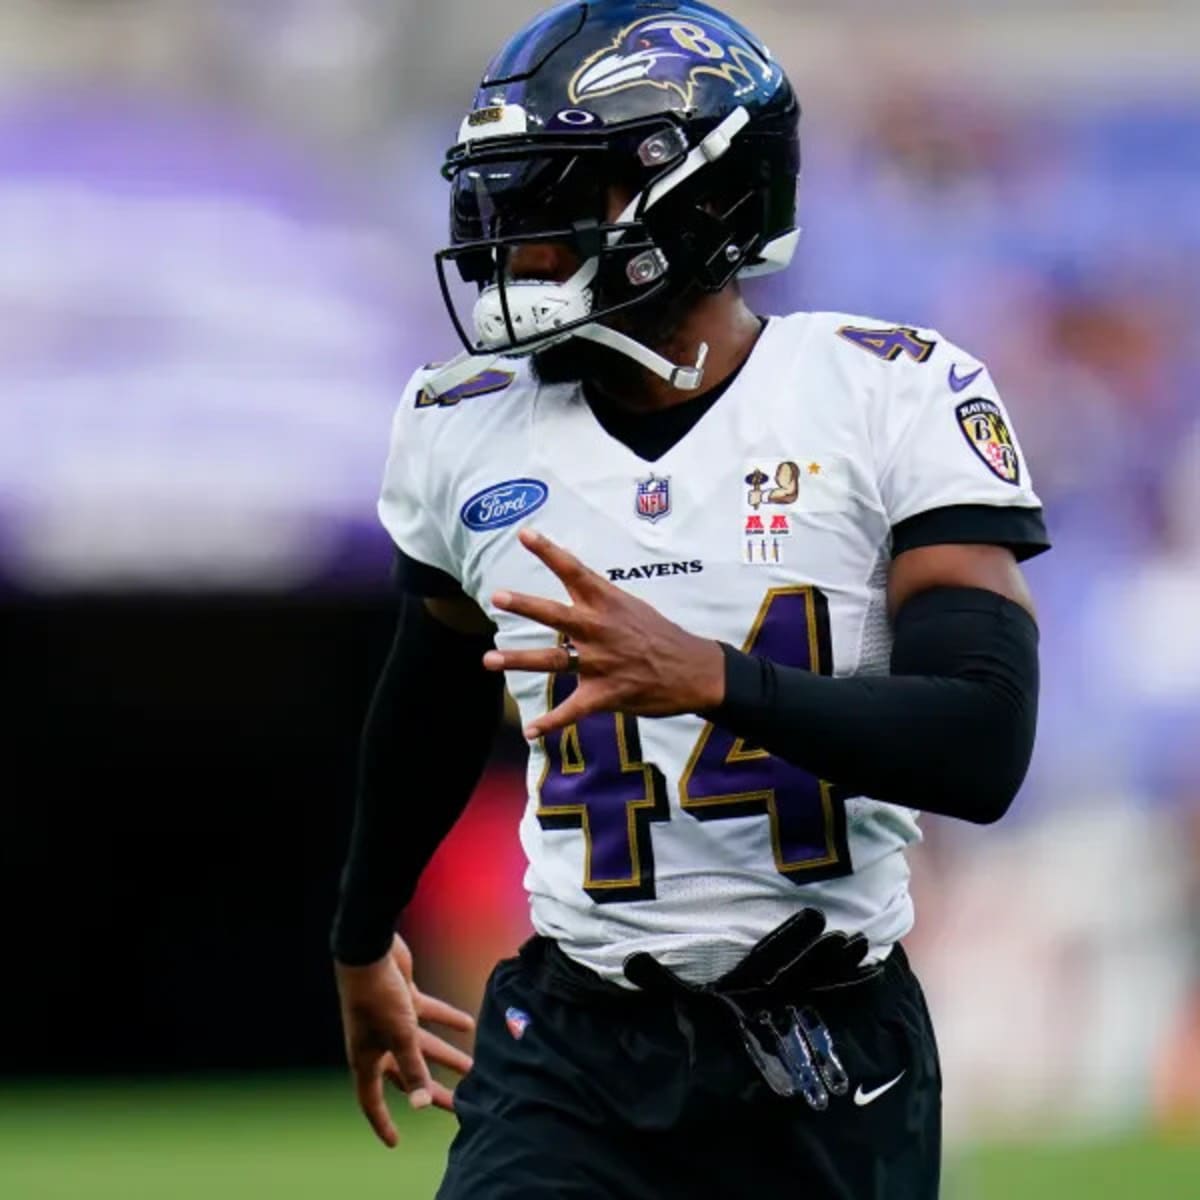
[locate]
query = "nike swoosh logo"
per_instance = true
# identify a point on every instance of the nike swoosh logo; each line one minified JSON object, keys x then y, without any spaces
{"x":957,"y":383}
{"x":862,"y":1098}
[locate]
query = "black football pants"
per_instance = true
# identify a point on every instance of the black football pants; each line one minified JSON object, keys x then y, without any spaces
{"x":578,"y":1093}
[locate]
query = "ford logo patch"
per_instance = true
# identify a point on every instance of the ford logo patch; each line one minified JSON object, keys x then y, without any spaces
{"x":504,"y":504}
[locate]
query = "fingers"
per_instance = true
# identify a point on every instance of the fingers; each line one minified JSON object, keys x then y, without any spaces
{"x":368,"y":1087}
{"x":413,"y":1070}
{"x":545,"y":612}
{"x":562,"y":562}
{"x":574,"y":708}
{"x":552,"y":659}
{"x":438,"y":1050}
{"x":443,"y":1097}
{"x":429,"y":1008}
{"x":577,"y":578}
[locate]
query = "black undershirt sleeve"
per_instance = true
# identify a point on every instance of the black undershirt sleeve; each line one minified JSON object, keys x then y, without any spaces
{"x":1022,"y":530}
{"x":412,"y":577}
{"x":949,"y":731}
{"x":424,"y":746}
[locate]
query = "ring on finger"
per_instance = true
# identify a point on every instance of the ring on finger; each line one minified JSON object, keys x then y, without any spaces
{"x":573,"y":663}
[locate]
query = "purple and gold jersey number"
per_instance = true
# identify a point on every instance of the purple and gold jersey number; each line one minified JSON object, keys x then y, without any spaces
{"x":596,"y":781}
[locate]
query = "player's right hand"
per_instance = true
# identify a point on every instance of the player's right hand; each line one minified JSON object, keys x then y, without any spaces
{"x":382,"y":1011}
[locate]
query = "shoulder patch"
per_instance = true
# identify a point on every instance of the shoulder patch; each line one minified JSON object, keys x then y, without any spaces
{"x":483,"y":384}
{"x":889,"y":344}
{"x":984,"y":427}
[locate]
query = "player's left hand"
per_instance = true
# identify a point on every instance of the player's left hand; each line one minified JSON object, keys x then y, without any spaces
{"x":631,"y":658}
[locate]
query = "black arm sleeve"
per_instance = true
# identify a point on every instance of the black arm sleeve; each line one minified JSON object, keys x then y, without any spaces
{"x":424,"y":745}
{"x":415,"y":578}
{"x":949,"y":731}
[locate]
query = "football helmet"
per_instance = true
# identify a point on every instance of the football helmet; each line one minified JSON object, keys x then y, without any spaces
{"x":677,"y":106}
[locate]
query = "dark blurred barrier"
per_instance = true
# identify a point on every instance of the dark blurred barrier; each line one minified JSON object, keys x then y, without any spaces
{"x":175,"y":803}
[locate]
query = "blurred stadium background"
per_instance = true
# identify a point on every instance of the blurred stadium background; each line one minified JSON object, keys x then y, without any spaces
{"x":216,"y":228}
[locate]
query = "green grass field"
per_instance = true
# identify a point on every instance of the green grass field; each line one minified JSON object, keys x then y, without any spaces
{"x":302,"y":1139}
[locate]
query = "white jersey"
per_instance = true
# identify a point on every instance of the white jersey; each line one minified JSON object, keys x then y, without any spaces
{"x":768,"y":526}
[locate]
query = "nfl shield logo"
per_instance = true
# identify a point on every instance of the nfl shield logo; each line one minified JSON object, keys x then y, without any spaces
{"x":653,"y":498}
{"x":517,"y":1020}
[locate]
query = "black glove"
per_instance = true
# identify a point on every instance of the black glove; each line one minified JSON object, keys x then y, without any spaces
{"x":791,"y":1047}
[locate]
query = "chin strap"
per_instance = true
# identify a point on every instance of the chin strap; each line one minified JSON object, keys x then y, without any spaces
{"x":686,"y":379}
{"x":467,"y":366}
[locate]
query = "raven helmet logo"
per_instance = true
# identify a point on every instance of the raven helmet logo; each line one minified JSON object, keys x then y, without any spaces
{"x":669,"y":54}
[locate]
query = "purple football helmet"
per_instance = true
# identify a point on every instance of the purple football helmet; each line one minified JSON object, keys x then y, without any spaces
{"x":675,"y":103}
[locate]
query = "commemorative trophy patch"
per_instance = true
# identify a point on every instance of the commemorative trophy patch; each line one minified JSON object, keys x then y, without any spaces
{"x":763,"y":530}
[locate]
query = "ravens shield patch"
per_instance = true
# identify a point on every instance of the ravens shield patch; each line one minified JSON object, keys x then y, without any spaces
{"x":984,"y":427}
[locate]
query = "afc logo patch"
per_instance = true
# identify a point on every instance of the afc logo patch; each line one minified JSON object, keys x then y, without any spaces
{"x":987,"y":433}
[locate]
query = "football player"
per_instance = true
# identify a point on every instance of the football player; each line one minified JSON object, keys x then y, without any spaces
{"x":737,"y":699}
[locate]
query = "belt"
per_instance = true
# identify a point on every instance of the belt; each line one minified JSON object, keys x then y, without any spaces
{"x":769,"y":996}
